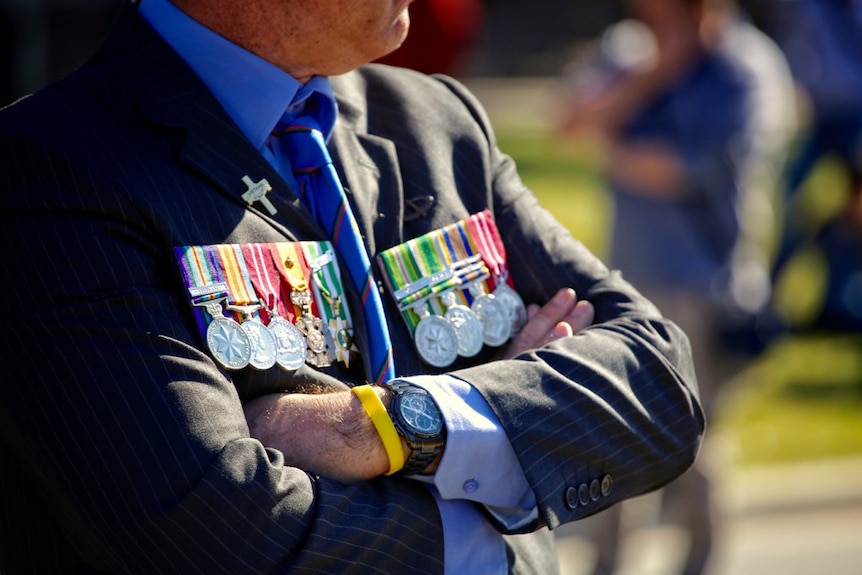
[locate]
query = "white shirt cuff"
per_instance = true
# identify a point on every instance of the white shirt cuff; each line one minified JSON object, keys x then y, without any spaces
{"x":478,"y":463}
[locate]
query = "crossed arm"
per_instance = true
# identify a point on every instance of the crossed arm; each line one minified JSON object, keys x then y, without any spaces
{"x":331,"y":434}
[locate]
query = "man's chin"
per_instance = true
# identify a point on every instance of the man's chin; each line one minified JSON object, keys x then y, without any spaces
{"x":399,"y":34}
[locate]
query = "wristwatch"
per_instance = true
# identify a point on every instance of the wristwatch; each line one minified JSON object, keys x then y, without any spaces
{"x":417,"y":417}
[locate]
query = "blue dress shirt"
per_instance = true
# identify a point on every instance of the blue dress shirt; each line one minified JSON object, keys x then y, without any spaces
{"x":479,"y":464}
{"x":688,"y":243}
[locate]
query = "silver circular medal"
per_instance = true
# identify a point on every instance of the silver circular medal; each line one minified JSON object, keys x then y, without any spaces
{"x":496,"y":326}
{"x":514,"y":306}
{"x":436,"y":341}
{"x":290,"y":344}
{"x":263,"y":344}
{"x":228,"y":343}
{"x":468,"y":328}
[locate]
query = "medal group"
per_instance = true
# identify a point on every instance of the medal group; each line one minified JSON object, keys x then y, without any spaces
{"x":453,"y":290}
{"x":268,"y":304}
{"x":284,"y":304}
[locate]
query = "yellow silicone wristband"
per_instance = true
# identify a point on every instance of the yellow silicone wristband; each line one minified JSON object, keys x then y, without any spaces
{"x":383,"y":423}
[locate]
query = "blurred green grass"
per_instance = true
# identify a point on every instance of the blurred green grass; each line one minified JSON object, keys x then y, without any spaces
{"x":565,"y":180}
{"x":802,"y":398}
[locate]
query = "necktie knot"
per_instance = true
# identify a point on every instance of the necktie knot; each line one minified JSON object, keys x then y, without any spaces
{"x":305,"y":145}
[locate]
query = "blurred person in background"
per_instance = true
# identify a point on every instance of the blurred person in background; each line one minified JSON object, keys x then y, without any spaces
{"x":692,"y":108}
{"x":823,"y":43}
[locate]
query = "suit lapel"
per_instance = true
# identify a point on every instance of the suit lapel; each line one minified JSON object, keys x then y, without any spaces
{"x":211,"y":143}
{"x":214,"y":147}
{"x":219,"y":152}
{"x":368,"y":167}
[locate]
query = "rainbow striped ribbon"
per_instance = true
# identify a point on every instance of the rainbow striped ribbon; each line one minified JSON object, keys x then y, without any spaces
{"x":425,"y":267}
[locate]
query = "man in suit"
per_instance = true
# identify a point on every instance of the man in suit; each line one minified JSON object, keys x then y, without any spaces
{"x":127,"y":448}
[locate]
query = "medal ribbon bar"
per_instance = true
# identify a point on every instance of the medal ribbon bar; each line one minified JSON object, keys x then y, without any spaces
{"x":265,"y":279}
{"x":237,"y":274}
{"x":459,"y":265}
{"x":328,"y":291}
{"x":291,"y":263}
{"x":489,"y":244}
{"x":493,"y":252}
{"x":254,"y":283}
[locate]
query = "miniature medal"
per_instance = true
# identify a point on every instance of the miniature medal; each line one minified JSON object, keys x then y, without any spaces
{"x":263,"y":343}
{"x":467,"y":326}
{"x":310,"y":326}
{"x":344,"y":338}
{"x":436,"y":339}
{"x":290,"y":345}
{"x":484,"y":231}
{"x":343,"y":334}
{"x":224,"y":337}
{"x":327,"y":289}
{"x":291,"y":264}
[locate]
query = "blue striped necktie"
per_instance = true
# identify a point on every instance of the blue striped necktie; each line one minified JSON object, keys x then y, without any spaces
{"x":322,"y":190}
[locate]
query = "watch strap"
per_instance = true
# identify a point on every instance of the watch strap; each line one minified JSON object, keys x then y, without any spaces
{"x":422,"y":455}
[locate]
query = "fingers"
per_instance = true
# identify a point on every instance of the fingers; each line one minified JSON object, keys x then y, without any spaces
{"x":562,"y":329}
{"x":546,"y":317}
{"x":581,"y":317}
{"x":561,"y":317}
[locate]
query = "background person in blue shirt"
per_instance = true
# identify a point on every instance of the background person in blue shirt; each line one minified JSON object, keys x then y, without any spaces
{"x":127,"y":448}
{"x":693,"y":109}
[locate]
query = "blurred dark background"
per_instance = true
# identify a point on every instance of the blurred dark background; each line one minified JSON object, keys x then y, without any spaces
{"x":45,"y":39}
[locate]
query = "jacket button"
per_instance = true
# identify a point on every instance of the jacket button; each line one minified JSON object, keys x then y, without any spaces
{"x":583,"y":494}
{"x":607,"y":485}
{"x":595,"y":490}
{"x":571,"y":497}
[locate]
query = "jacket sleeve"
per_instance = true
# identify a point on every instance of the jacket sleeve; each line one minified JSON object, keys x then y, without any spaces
{"x":602,"y":416}
{"x":113,"y":414}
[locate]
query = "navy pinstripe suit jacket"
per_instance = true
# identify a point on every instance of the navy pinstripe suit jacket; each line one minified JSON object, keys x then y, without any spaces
{"x":124,"y":447}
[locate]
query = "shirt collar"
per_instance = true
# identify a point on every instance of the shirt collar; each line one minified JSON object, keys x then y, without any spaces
{"x":254,"y":93}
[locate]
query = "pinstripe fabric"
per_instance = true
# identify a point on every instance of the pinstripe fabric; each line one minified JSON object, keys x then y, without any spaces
{"x":124,"y":448}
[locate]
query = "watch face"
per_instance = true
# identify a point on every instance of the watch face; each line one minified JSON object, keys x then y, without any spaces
{"x":420,"y":413}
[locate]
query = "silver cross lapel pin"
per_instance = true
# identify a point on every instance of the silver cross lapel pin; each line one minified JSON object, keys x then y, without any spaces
{"x":257,"y":193}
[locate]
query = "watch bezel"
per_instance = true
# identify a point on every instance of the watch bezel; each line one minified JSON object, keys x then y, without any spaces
{"x":428,"y":401}
{"x":424,"y":448}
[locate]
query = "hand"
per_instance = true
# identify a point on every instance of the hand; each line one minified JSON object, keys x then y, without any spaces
{"x":563,"y":316}
{"x":325,"y":433}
